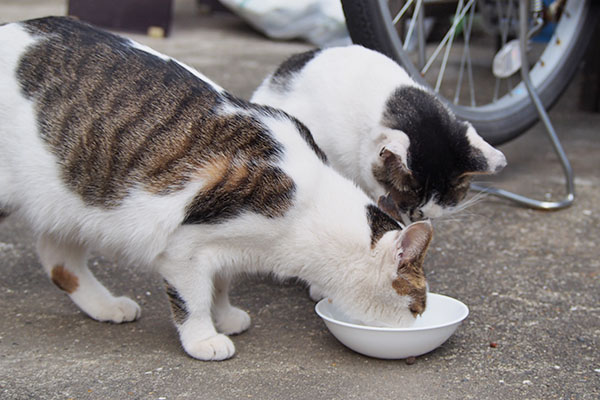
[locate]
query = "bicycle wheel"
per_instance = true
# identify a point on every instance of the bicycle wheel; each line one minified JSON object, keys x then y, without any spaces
{"x":449,"y":45}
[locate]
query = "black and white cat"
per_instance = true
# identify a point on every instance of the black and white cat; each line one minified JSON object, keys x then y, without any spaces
{"x":109,"y":146}
{"x":378,"y":127}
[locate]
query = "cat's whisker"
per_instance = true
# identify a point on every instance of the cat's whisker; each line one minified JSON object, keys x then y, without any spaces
{"x":460,"y":211}
{"x":446,"y":220}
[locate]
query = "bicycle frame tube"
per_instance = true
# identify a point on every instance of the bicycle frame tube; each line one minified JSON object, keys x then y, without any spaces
{"x":568,"y":171}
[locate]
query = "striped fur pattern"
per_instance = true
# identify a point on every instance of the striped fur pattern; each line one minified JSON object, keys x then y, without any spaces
{"x":108,"y":146}
{"x":160,"y":126}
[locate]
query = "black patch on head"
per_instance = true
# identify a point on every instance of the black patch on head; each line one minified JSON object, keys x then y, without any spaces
{"x":439,"y":152}
{"x":290,"y":67}
{"x":380,"y":223}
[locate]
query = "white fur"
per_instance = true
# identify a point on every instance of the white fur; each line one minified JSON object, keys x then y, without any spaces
{"x":324,"y":238}
{"x":340,"y":96}
{"x":351,"y":136}
{"x":495,"y":158}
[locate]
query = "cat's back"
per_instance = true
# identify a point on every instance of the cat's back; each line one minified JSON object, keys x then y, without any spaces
{"x":95,"y":110}
{"x":352,"y":77}
{"x":338,"y":92}
{"x":103,"y":137}
{"x":14,"y":40}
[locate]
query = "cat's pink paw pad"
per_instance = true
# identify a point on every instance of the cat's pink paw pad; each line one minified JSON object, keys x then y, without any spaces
{"x":215,"y":348}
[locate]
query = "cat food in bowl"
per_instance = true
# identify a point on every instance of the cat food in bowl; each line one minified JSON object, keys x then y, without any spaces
{"x":439,"y":321}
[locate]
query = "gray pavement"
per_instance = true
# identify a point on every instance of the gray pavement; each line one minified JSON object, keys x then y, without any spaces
{"x":531,"y":281}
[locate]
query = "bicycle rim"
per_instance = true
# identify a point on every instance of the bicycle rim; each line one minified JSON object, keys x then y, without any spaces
{"x":458,"y":65}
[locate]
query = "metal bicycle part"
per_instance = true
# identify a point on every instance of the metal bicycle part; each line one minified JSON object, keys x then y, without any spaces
{"x":541,"y":84}
{"x":568,"y":171}
{"x":457,"y":63}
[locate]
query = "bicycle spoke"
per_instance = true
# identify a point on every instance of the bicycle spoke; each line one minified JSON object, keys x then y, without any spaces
{"x":466,"y":56}
{"x":421,"y":40}
{"x":503,"y":36}
{"x":504,"y":25}
{"x":402,"y":11}
{"x":440,"y":77}
{"x":509,"y":80}
{"x":509,"y":84}
{"x":413,"y":21}
{"x":496,"y":90}
{"x":470,"y":65}
{"x":446,"y":37}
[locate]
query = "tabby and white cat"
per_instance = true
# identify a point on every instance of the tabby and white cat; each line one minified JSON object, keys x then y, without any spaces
{"x":378,"y":127}
{"x":106,"y":145}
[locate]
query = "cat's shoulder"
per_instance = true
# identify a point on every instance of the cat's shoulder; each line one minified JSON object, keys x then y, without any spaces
{"x":343,"y":68}
{"x":295,"y":63}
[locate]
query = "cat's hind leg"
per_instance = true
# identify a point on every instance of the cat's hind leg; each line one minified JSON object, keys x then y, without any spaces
{"x":228,"y":319}
{"x":66,"y":265}
{"x":190,"y":292}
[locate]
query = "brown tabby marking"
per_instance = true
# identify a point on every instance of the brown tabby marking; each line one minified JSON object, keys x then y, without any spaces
{"x":237,"y":176}
{"x":411,"y":277}
{"x":117,"y":117}
{"x":404,"y":191}
{"x":411,"y":282}
{"x":214,"y":171}
{"x":65,"y":280}
{"x":178,"y":307}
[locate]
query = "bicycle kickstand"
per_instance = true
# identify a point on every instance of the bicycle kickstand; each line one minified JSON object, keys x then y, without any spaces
{"x":568,"y":171}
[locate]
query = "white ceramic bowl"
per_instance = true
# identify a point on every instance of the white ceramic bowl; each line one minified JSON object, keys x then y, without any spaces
{"x":442,"y":316}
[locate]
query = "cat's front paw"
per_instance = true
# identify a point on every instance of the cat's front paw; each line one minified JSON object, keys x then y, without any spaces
{"x":117,"y":310}
{"x":215,"y":348}
{"x":234,"y":321}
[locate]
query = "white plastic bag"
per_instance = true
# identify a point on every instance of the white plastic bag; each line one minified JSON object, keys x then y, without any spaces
{"x":321,"y":22}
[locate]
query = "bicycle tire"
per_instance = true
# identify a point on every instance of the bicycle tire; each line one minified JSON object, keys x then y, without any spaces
{"x":369,"y":25}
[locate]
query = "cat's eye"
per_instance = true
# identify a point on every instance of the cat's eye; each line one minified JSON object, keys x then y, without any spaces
{"x":463,"y":180}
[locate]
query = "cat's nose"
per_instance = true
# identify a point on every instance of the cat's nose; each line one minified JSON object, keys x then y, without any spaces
{"x":417,"y":215}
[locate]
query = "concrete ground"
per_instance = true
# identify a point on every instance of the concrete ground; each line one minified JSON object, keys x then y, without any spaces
{"x":530,"y":278}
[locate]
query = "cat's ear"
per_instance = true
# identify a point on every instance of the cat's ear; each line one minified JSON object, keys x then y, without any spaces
{"x":412,"y":243}
{"x":484,"y":159}
{"x":393,"y":150}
